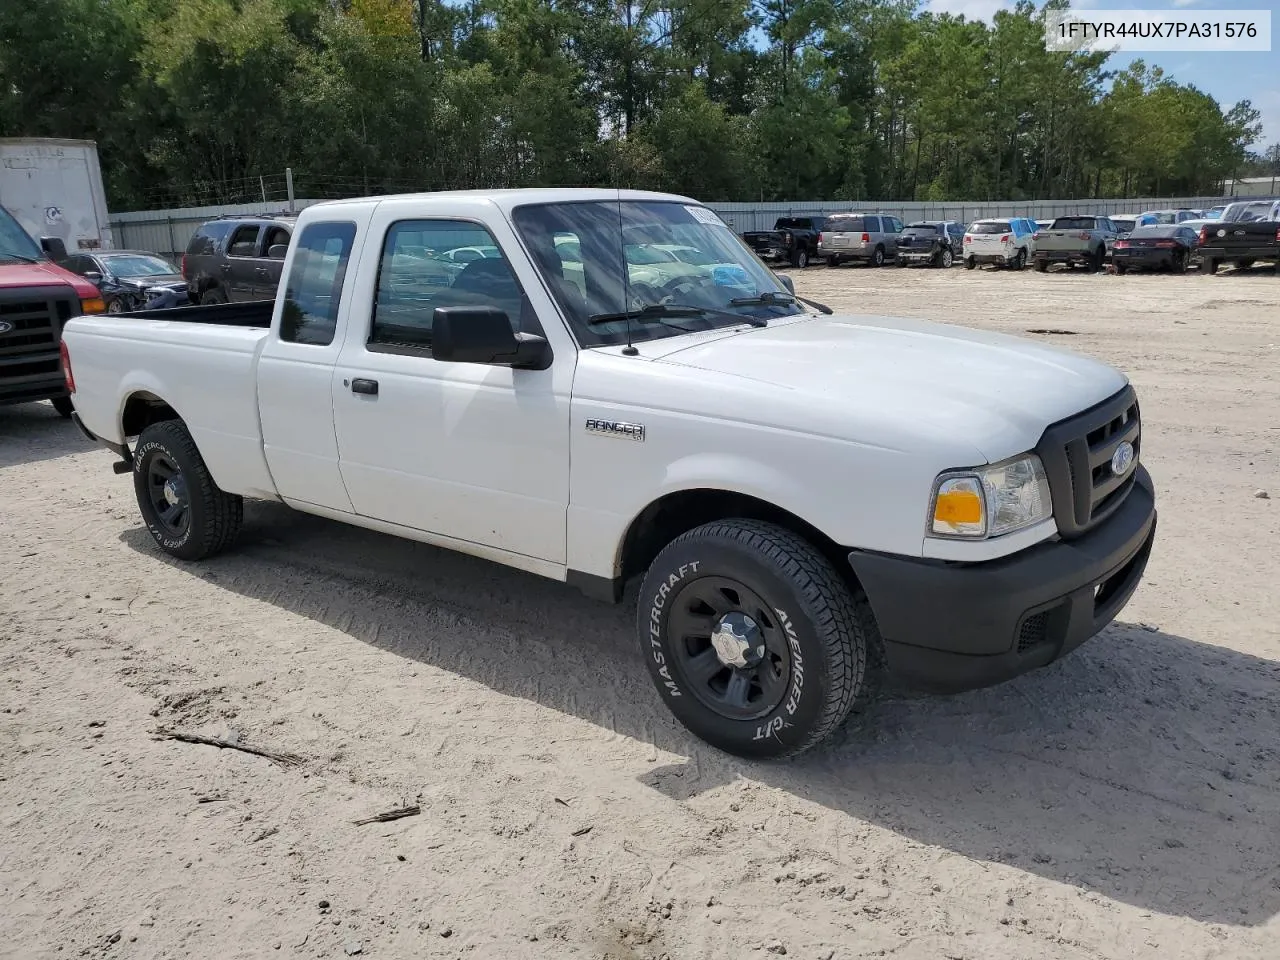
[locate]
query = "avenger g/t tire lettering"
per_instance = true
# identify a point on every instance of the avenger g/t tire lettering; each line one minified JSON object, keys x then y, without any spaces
{"x":752,"y":639}
{"x":185,"y":511}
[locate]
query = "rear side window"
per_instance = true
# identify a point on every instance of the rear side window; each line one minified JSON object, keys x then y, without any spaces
{"x":921,"y":229}
{"x":204,"y":242}
{"x":244,"y":242}
{"x":994,"y":226}
{"x":846,"y":224}
{"x":313,"y":291}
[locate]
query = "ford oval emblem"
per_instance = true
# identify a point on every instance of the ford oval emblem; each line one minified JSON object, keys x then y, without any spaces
{"x":5,"y":326}
{"x":1122,"y":459}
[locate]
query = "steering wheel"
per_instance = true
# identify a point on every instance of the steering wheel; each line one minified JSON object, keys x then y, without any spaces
{"x":678,"y":288}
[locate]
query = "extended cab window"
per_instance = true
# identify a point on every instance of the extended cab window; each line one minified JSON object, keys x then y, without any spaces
{"x":313,"y":291}
{"x":428,"y":264}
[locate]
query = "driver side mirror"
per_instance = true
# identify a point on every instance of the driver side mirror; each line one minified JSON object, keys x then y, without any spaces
{"x":277,"y":251}
{"x":787,"y":282}
{"x":484,"y":335}
{"x":54,"y":248}
{"x":93,"y":276}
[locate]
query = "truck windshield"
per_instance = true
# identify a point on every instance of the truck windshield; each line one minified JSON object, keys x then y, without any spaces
{"x":677,"y":256}
{"x":14,"y":242}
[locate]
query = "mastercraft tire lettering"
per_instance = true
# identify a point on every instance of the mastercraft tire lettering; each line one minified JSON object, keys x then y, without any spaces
{"x":186,"y":513}
{"x":753,"y":640}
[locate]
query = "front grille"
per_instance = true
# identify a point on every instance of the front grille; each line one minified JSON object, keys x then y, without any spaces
{"x":1077,"y":454}
{"x":1032,"y":632}
{"x":31,"y":326}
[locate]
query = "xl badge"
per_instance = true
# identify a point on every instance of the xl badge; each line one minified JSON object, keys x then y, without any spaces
{"x":615,"y":428}
{"x":1122,"y":459}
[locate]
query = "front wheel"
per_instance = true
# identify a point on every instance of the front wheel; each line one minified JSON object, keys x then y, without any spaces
{"x":752,"y":639}
{"x":185,"y":511}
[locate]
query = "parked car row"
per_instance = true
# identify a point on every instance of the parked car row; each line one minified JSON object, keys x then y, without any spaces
{"x":1172,"y":240}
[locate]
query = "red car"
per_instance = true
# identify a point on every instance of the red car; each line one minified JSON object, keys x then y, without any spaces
{"x":36,"y":298}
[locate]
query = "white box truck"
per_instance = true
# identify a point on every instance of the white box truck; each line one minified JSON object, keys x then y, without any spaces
{"x":53,"y":188}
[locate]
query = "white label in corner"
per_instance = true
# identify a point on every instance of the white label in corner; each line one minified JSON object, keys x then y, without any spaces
{"x":703,"y":215}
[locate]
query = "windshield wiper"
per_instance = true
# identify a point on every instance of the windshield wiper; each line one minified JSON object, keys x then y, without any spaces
{"x":661,"y":312}
{"x":19,"y":257}
{"x":771,"y":297}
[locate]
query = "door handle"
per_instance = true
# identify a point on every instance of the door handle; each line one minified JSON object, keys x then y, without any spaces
{"x":367,"y":387}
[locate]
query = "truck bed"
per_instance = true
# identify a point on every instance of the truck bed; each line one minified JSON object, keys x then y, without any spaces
{"x":251,"y":313}
{"x":1251,"y":241}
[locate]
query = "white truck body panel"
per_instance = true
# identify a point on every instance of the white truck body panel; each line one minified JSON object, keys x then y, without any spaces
{"x":843,"y":421}
{"x":54,"y":189}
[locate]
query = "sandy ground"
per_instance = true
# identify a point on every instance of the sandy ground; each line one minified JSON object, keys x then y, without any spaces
{"x":1122,"y":803}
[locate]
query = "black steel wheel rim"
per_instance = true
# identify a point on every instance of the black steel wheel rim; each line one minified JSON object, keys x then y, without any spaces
{"x":167,"y":494}
{"x":735,"y":693}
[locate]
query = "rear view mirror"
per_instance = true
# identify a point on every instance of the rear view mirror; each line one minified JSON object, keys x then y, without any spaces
{"x":787,"y":282}
{"x":54,"y":248}
{"x":484,"y":335}
{"x":277,"y":251}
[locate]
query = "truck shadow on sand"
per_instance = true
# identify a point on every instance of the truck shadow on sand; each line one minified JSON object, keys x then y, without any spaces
{"x":33,"y":432}
{"x":1144,"y":768}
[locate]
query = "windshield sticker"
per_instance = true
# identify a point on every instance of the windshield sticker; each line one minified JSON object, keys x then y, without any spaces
{"x":703,"y":215}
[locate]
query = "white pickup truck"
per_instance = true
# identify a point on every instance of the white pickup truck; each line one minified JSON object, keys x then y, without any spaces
{"x":598,"y":385}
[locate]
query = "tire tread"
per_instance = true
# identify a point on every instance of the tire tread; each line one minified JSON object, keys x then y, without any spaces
{"x":838,"y":614}
{"x":224,"y":510}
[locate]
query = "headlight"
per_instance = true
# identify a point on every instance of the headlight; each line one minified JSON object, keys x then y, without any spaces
{"x":991,"y":501}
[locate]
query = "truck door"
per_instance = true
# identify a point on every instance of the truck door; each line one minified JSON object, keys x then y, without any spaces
{"x":238,"y":265}
{"x":296,"y":368}
{"x":473,"y":452}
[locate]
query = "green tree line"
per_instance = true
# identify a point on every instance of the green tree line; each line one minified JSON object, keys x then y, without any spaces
{"x":206,"y":101}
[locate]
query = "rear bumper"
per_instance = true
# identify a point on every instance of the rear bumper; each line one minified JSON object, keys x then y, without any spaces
{"x":121,"y":450}
{"x":951,"y":627}
{"x":1064,"y":256}
{"x":990,"y":257}
{"x":1257,"y":252}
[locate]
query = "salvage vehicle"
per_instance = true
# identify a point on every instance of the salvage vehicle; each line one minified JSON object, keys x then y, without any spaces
{"x":936,"y":243}
{"x":1163,"y":246}
{"x":131,"y":279}
{"x":1075,"y":240}
{"x":37,"y":297}
{"x":1241,"y":243}
{"x":1006,"y":243}
{"x":1244,"y":211}
{"x":793,"y":239}
{"x":869,"y":237}
{"x":798,"y":494}
{"x":237,"y":258}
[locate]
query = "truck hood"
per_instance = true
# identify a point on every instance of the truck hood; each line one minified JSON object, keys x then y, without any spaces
{"x":13,"y":275}
{"x":995,"y":392}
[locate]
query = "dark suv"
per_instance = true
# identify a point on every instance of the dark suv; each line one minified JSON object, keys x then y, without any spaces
{"x":237,"y":258}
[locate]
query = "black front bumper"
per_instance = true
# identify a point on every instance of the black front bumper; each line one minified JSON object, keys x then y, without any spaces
{"x":950,"y":627}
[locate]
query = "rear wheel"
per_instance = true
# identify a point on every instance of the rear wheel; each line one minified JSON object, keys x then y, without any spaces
{"x":1042,"y":265}
{"x":210,"y":297}
{"x":185,"y":511}
{"x":1178,"y":264}
{"x":877,"y":257}
{"x":1208,"y":265}
{"x":946,"y":259}
{"x":1096,"y":259}
{"x":833,"y":262}
{"x":754,"y":642}
{"x":1121,"y":269}
{"x":970,"y":263}
{"x":801,"y":258}
{"x":1019,"y":260}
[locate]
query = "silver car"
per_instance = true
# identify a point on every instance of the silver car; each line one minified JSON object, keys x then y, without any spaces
{"x":870,"y":237}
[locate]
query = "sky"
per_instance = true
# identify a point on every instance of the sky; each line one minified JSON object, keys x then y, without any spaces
{"x":1227,"y":77}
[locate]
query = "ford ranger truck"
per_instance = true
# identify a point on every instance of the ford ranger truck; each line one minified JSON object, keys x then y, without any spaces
{"x":798,"y":494}
{"x":37,"y":297}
